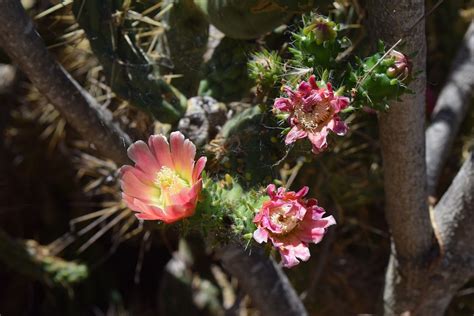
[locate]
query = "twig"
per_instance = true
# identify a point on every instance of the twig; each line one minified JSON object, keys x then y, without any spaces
{"x":25,"y":47}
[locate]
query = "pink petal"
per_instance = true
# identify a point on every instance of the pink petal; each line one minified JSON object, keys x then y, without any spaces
{"x":294,"y":134}
{"x":302,"y":192}
{"x":183,"y":152}
{"x":143,"y":158}
{"x":129,"y":201}
{"x":146,"y":178}
{"x":260,"y":235}
{"x":132,"y":186}
{"x":319,"y":139}
{"x":177,"y":212}
{"x":329,"y":87}
{"x":301,"y":251}
{"x":338,"y":126}
{"x":271,"y":188}
{"x":154,"y":212}
{"x":339,"y":103}
{"x":288,"y":258}
{"x":145,"y":216}
{"x":304,"y":88}
{"x":188,"y":195}
{"x":198,"y":168}
{"x":161,"y":150}
{"x":312,"y":82}
{"x":283,"y":104}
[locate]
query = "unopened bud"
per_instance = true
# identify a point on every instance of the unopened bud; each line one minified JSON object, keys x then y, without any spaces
{"x":401,"y":67}
{"x":323,"y":29}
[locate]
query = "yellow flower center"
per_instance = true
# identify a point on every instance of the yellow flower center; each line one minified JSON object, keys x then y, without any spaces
{"x":314,"y":120}
{"x":169,"y":181}
{"x":286,"y":222}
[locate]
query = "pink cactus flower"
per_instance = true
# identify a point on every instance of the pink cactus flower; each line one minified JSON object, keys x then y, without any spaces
{"x":291,"y":223}
{"x":313,"y":113}
{"x":166,"y":181}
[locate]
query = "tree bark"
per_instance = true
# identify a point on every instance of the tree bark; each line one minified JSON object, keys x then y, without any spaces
{"x":25,"y":47}
{"x":453,"y":219}
{"x":450,"y":110}
{"x":402,"y":139}
{"x":263,"y":280}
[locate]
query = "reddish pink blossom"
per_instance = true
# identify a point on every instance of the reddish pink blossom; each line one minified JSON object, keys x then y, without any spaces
{"x":165,"y":182}
{"x":291,"y":223}
{"x":313,"y":113}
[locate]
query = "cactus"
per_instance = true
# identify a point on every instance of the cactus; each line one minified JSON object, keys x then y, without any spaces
{"x":185,"y":42}
{"x":243,"y":19}
{"x":316,"y":44}
{"x":131,"y":75}
{"x":378,"y":79}
{"x":251,"y":150}
{"x":266,"y":68}
{"x":225,"y":74}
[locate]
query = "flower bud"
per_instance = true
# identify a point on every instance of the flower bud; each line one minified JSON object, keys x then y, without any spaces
{"x":323,"y":29}
{"x":401,"y":67}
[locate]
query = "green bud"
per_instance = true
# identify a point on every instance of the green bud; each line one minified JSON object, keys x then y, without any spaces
{"x":323,"y":29}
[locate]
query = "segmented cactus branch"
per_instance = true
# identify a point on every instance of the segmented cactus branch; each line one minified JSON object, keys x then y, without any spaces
{"x":130,"y":73}
{"x":81,"y":110}
{"x":33,"y":260}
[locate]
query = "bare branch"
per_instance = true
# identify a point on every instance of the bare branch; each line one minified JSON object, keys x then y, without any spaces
{"x":23,"y":44}
{"x":402,"y":133}
{"x":263,"y":280}
{"x":454,"y":214}
{"x":450,"y":110}
{"x":402,"y":137}
{"x":453,"y":219}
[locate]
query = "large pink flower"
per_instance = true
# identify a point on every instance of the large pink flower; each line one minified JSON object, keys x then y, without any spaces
{"x":165,"y":182}
{"x":313,"y":113}
{"x":291,"y":223}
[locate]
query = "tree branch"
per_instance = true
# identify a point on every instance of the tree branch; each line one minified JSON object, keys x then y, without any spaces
{"x":402,"y":137}
{"x":450,"y":110}
{"x":454,"y":214}
{"x":265,"y":282}
{"x":453,"y":219}
{"x":402,"y":133}
{"x":25,"y":47}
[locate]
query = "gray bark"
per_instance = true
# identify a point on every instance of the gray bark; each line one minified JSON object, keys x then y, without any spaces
{"x":450,"y":110}
{"x":402,"y":139}
{"x":263,"y":280}
{"x":25,"y":47}
{"x":454,"y":214}
{"x":453,"y":221}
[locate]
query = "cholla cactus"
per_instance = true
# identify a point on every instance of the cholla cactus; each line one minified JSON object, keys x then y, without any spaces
{"x":266,"y":68}
{"x":316,"y":44}
{"x":379,"y":79}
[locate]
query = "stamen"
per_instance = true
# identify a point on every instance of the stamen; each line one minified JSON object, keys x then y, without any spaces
{"x":168,"y":180}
